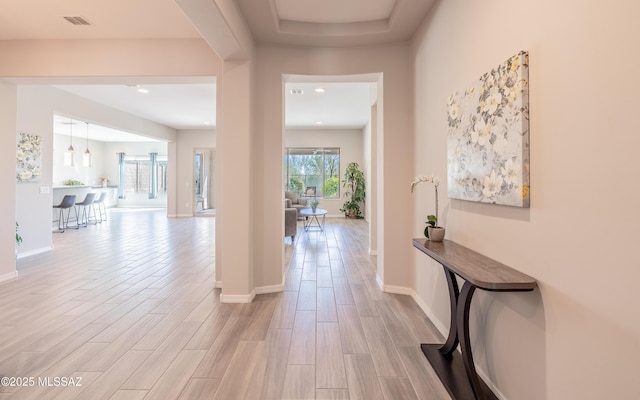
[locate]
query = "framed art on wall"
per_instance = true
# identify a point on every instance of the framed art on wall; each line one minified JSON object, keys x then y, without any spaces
{"x":488,"y":136}
{"x":28,"y":157}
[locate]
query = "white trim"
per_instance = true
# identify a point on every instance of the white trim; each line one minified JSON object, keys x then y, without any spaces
{"x":217,"y":284}
{"x":184,"y":215}
{"x":373,"y":252}
{"x":398,"y":290}
{"x":380,"y":283}
{"x":237,"y":298}
{"x":34,"y":252}
{"x":172,"y":216}
{"x":9,"y":276}
{"x":269,"y":289}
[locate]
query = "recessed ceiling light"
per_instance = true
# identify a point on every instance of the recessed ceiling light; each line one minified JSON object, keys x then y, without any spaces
{"x":319,"y":90}
{"x":143,"y":90}
{"x":207,"y":123}
{"x":318,"y":122}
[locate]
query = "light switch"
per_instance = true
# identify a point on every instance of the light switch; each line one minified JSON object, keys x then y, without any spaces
{"x":45,"y":190}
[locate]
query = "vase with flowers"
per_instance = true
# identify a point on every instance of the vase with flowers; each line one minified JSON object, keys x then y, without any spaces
{"x":314,"y":203}
{"x":433,"y":232}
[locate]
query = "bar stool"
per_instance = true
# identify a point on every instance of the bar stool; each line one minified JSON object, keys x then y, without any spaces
{"x":67,"y":202}
{"x":86,"y":204}
{"x":102,"y":209}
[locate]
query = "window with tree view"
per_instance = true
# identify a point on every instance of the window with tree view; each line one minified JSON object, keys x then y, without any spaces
{"x":317,"y":168}
{"x":137,"y":174}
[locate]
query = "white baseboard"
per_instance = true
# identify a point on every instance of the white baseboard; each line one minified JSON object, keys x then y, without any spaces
{"x":184,"y":215}
{"x":380,"y":283}
{"x":237,"y":298}
{"x":217,"y":284}
{"x":34,"y":252}
{"x":398,"y":290}
{"x":9,"y":276}
{"x":269,"y":289}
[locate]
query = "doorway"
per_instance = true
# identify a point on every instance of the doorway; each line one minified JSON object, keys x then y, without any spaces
{"x":204,"y":184}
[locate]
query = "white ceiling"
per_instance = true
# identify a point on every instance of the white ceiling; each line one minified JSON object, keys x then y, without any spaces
{"x":333,"y":23}
{"x":180,"y":106}
{"x":325,"y":11}
{"x":188,"y":106}
{"x":340,"y":105}
{"x":80,"y":131}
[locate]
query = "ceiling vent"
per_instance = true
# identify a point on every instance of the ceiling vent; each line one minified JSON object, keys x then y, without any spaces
{"x":78,"y":20}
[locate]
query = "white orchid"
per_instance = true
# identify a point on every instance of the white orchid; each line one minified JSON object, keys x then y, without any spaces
{"x":424,"y":178}
{"x":436,"y":182}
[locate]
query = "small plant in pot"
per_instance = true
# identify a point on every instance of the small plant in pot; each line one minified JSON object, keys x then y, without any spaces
{"x":314,"y":203}
{"x":433,"y":232}
{"x":354,"y":183}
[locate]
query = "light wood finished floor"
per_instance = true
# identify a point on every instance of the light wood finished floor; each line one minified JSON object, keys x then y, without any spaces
{"x":128,"y":307}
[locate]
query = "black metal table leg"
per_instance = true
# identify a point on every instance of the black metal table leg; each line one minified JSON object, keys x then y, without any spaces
{"x":452,"y":339}
{"x":465,"y":343}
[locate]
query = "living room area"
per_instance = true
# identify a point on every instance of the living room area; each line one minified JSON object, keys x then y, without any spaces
{"x":329,"y":125}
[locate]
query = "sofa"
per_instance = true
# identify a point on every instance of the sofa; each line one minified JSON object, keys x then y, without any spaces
{"x":290,"y":223}
{"x":293,"y":201}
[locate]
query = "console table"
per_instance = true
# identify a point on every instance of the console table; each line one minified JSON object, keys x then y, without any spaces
{"x":479,"y":272}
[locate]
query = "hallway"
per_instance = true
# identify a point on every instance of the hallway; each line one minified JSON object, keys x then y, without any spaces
{"x":128,"y":306}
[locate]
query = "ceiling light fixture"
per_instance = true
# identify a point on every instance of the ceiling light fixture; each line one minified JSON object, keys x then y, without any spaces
{"x":318,"y":122}
{"x":319,"y":90}
{"x":68,"y":154}
{"x":142,"y":90}
{"x":207,"y":123}
{"x":86,"y":157}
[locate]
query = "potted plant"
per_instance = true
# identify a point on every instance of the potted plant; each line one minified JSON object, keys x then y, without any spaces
{"x":354,"y":182}
{"x":433,"y":232}
{"x":314,"y":204}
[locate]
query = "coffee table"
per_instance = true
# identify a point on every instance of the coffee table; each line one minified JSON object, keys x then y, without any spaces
{"x":310,"y":216}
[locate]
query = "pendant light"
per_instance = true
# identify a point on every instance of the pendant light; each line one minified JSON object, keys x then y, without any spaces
{"x":68,"y":154}
{"x":86,"y":158}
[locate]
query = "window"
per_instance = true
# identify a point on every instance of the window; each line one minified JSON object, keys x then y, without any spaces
{"x":137,"y":174}
{"x":313,"y":169}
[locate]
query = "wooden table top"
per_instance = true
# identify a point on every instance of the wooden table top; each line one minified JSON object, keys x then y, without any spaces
{"x":481,"y":271}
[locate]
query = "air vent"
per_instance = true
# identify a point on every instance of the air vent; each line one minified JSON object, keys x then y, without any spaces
{"x":296,"y":91}
{"x":78,"y":20}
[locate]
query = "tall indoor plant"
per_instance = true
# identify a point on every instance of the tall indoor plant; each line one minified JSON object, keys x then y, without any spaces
{"x":354,"y":183}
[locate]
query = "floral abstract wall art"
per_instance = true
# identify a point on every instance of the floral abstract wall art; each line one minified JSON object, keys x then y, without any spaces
{"x":29,"y":157}
{"x":488,"y":137}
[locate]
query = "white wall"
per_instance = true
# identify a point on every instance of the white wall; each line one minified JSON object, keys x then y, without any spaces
{"x":87,"y":175}
{"x":578,"y":336}
{"x":350,"y":142}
